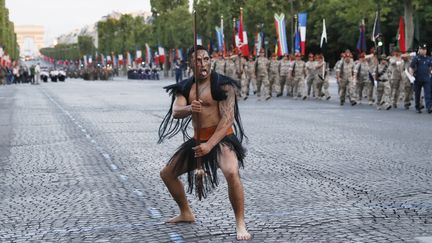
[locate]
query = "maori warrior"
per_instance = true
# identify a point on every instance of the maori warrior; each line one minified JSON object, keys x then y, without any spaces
{"x":217,"y":143}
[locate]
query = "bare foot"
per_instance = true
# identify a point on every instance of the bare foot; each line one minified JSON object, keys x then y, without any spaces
{"x":243,"y":234}
{"x":188,"y":217}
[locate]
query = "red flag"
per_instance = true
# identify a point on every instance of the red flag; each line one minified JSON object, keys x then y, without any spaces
{"x":402,"y":35}
{"x":243,"y":41}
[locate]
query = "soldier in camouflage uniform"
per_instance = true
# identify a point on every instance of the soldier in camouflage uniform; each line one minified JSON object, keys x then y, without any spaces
{"x":337,"y":67}
{"x":230,"y":67}
{"x":381,"y":75}
{"x":344,"y":76}
{"x":250,"y":78}
{"x":396,"y":70}
{"x":284,"y":68}
{"x":219,"y":64}
{"x":274,"y":76}
{"x":261,"y":69}
{"x":298,"y":72}
{"x":311,"y":73}
{"x":321,"y":83}
{"x":362,"y":77}
{"x":240,"y":63}
{"x":407,"y":85}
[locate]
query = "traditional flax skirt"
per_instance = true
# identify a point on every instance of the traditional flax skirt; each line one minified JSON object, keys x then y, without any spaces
{"x":185,"y":161}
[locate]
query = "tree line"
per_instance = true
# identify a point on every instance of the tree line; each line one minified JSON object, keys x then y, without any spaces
{"x":171,"y":24}
{"x":8,"y":38}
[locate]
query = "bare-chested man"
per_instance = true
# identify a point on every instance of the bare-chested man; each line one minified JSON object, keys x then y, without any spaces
{"x":220,"y":146}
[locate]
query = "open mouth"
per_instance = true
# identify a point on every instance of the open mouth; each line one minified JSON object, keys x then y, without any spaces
{"x":203,"y":72}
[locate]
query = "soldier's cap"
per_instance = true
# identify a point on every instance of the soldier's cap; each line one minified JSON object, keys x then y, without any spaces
{"x":311,"y":55}
{"x":342,"y":54}
{"x":423,"y":46}
{"x":297,"y":54}
{"x":362,"y":55}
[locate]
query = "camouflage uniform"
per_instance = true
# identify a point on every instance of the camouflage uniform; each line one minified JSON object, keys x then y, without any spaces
{"x":298,"y":71}
{"x":274,"y":76}
{"x":346,"y":81}
{"x":284,"y":68}
{"x":262,"y":65}
{"x":240,"y":63}
{"x":383,"y":87}
{"x":250,"y":78}
{"x":407,"y":85}
{"x":321,"y":84}
{"x":219,"y":66}
{"x":230,"y":69}
{"x":396,"y":69}
{"x":361,"y":74}
{"x":311,"y":76}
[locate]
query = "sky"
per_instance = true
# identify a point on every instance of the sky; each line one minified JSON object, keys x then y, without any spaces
{"x":62,"y":16}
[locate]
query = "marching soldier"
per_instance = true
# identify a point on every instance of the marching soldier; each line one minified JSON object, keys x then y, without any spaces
{"x":361,"y":75}
{"x":262,"y":65}
{"x":396,"y":70}
{"x":310,"y":75}
{"x":240,"y":63}
{"x":284,"y":67}
{"x":250,"y":78}
{"x":230,"y":67}
{"x":407,"y":85}
{"x":298,"y":72}
{"x":346,"y":80}
{"x":337,"y":68}
{"x":322,"y":83}
{"x":274,"y":76}
{"x":381,"y":75}
{"x":219,"y":64}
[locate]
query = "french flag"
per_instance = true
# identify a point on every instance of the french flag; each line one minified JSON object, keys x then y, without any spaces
{"x":302,"y":28}
{"x":161,"y":51}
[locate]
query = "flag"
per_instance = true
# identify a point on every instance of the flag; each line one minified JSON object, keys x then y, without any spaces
{"x":148,"y":54}
{"x":376,"y":32}
{"x":85,"y":60}
{"x":108,"y":58}
{"x":161,"y":51}
{"x":244,"y":45}
{"x":179,"y":54}
{"x":258,"y":43}
{"x":120,"y":59}
{"x":128,"y":59}
{"x":323,"y":42}
{"x":361,"y":43}
{"x":102,"y":59}
{"x":302,"y":29}
{"x":297,"y":47}
{"x":138,"y":57}
{"x":401,"y":35}
{"x":282,"y":45}
{"x":199,"y":40}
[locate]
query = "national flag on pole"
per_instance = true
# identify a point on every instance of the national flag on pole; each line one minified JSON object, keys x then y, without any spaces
{"x":85,"y":60}
{"x":244,"y":45}
{"x":219,"y":36}
{"x":108,"y":58}
{"x":297,"y":46}
{"x":282,"y":44}
{"x":129,"y":58}
{"x":323,"y":43}
{"x":138,"y":57}
{"x":148,"y":54}
{"x":102,"y":59}
{"x":302,"y":28}
{"x":376,"y":32}
{"x":361,"y":43}
{"x":179,"y":54}
{"x":401,"y":35}
{"x":258,"y":42}
{"x":161,"y":51}
{"x":120,"y":59}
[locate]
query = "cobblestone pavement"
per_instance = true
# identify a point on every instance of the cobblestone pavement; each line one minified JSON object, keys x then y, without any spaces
{"x":79,"y":162}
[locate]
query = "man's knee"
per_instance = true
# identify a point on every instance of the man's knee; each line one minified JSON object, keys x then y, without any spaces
{"x":167,"y":173}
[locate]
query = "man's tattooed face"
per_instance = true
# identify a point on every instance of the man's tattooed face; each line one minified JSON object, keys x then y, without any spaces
{"x":203,"y":64}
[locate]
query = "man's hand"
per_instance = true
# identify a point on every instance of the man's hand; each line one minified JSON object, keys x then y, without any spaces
{"x":202,"y":149}
{"x":196,"y":106}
